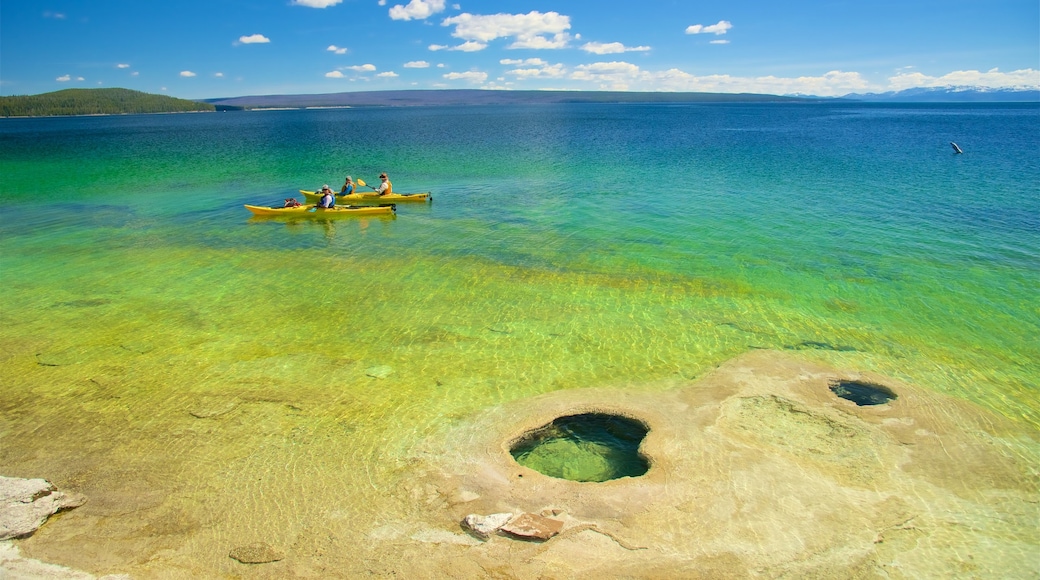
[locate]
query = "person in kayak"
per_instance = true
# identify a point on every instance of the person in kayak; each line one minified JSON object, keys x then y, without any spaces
{"x":348,"y":187}
{"x":327,"y":199}
{"x":385,"y":187}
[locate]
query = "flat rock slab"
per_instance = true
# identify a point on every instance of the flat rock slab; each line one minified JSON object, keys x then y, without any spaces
{"x":533,"y":527}
{"x":25,"y":504}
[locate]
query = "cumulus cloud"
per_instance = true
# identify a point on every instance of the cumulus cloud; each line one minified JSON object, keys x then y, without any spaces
{"x":472,"y":76}
{"x":316,"y":3}
{"x":254,"y":39}
{"x":388,"y":74}
{"x":336,"y":49}
{"x":532,"y":30}
{"x":720,"y":41}
{"x":720,"y":28}
{"x":219,"y":75}
{"x":416,"y":10}
{"x":122,"y":65}
{"x":334,"y":75}
{"x":63,"y":79}
{"x":417,"y":64}
{"x":134,"y":74}
{"x":362,"y":67}
{"x":611,"y":48}
{"x":533,"y":68}
{"x":993,"y":78}
{"x":187,"y":73}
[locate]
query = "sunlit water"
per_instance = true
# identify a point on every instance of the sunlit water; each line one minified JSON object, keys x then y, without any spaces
{"x":156,"y":337}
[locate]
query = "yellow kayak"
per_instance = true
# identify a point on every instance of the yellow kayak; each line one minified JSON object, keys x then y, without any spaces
{"x":371,"y":196}
{"x":313,"y":211}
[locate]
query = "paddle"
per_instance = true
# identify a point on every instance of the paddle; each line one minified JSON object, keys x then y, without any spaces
{"x":362,"y":183}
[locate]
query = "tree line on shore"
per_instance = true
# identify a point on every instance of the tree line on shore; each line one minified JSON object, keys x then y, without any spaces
{"x":95,"y":102}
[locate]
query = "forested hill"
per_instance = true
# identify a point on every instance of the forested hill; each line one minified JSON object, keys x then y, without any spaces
{"x":95,"y":102}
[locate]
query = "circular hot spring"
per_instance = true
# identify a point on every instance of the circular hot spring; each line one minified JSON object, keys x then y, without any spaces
{"x":586,"y":447}
{"x":863,"y":393}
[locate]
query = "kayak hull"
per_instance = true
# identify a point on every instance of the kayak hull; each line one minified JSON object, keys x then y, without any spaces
{"x":310,"y":211}
{"x":371,"y":197}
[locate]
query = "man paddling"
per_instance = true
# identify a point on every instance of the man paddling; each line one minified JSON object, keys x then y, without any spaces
{"x":386,"y":187}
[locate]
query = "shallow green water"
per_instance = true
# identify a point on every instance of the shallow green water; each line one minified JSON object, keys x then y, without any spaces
{"x":150,"y":327}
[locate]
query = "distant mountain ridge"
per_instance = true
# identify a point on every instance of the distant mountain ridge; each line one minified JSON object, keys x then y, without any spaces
{"x":420,"y":97}
{"x":952,"y":94}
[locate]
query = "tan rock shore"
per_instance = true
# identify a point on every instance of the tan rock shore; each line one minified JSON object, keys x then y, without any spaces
{"x":757,"y":470}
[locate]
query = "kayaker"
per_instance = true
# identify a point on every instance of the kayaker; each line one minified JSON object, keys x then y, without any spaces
{"x":348,"y":187}
{"x":385,"y":187}
{"x":327,"y":199}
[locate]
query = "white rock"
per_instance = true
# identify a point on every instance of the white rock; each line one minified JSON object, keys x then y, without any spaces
{"x":485,"y":526}
{"x":26,"y":503}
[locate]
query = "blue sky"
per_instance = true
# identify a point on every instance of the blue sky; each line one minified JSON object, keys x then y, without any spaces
{"x":223,"y":48}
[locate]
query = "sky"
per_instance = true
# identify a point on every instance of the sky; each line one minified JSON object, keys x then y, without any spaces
{"x":199,"y":49}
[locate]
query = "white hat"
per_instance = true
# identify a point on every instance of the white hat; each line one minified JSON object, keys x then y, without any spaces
{"x":326,"y":186}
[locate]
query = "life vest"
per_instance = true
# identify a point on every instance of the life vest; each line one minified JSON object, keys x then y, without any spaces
{"x":389,"y":187}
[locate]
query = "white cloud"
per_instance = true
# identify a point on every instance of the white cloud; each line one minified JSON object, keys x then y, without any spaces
{"x":362,"y":67}
{"x":416,"y":10}
{"x":993,"y":78}
{"x":122,"y":66}
{"x":440,"y":65}
{"x":541,"y":42}
{"x":63,"y":79}
{"x":55,"y":15}
{"x":468,"y":46}
{"x":719,"y":28}
{"x":334,"y":75}
{"x":381,"y":2}
{"x":316,"y":3}
{"x":336,"y":49}
{"x":219,"y":75}
{"x":134,"y":74}
{"x":254,"y":39}
{"x":417,"y":64}
{"x":611,"y":48}
{"x":720,"y":41}
{"x":609,"y":75}
{"x":532,"y":30}
{"x":535,"y":68}
{"x":388,"y":74}
{"x":472,"y":76}
{"x":187,"y":73}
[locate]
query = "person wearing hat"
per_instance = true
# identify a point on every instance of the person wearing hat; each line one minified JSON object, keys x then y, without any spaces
{"x":327,"y":199}
{"x":385,"y":187}
{"x":348,"y":187}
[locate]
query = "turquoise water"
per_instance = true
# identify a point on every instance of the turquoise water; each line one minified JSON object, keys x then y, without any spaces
{"x":153,"y":332}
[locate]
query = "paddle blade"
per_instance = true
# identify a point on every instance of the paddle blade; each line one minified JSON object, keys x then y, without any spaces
{"x":361,"y":182}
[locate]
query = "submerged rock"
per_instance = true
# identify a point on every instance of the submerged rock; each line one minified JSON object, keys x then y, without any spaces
{"x":25,"y":504}
{"x":379,"y":372}
{"x":256,"y":553}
